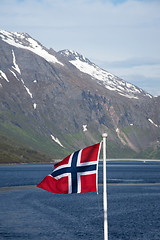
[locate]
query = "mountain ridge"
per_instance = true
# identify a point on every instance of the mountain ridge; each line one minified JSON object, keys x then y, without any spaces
{"x":110,"y":81}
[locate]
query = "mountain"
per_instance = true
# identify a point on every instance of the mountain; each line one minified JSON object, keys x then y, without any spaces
{"x":52,"y":103}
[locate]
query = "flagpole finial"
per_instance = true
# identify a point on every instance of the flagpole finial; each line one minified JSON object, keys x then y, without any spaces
{"x":104,"y":135}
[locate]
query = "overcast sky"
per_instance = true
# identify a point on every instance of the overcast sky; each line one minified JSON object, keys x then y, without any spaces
{"x":121,"y":36}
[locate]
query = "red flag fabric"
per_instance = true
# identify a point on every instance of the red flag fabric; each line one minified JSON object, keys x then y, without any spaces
{"x":77,"y":173}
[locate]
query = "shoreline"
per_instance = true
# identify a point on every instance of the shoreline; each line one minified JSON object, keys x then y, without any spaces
{"x":24,"y":163}
{"x":108,"y":160}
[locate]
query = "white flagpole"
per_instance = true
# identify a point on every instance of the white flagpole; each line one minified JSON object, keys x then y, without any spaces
{"x":104,"y":135}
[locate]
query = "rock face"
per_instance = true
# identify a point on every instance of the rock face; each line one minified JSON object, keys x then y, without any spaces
{"x":57,"y":102}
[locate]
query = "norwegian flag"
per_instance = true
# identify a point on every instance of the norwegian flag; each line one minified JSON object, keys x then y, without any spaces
{"x":77,"y":173}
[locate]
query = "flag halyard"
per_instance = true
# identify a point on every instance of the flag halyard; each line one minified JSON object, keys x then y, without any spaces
{"x":77,"y":173}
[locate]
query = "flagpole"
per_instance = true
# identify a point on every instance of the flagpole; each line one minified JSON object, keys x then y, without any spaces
{"x":104,"y":136}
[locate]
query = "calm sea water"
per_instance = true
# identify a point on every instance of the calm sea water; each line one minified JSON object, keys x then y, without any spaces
{"x":27,"y":212}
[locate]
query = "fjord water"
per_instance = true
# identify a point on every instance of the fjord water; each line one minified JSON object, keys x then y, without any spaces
{"x":27,"y":212}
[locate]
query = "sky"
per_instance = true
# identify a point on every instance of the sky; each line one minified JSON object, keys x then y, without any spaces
{"x":120,"y":36}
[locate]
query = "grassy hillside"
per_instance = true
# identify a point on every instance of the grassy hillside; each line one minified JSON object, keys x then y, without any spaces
{"x":21,"y":144}
{"x":12,"y":151}
{"x":150,"y":153}
{"x":15,"y":152}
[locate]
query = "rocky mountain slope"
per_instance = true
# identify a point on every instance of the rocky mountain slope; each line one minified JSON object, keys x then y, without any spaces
{"x":56,"y":102}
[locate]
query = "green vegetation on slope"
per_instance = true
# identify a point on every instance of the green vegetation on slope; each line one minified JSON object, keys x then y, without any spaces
{"x":14,"y":152}
{"x":27,"y":138}
{"x":150,"y":153}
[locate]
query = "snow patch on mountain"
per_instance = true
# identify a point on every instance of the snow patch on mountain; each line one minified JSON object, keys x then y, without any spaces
{"x":84,"y":128}
{"x":108,"y":80}
{"x":16,"y":67}
{"x":23,"y":40}
{"x":34,"y":105}
{"x":3,"y":76}
{"x":151,"y":121}
{"x":27,"y":89}
{"x":14,"y":74}
{"x":56,"y":140}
